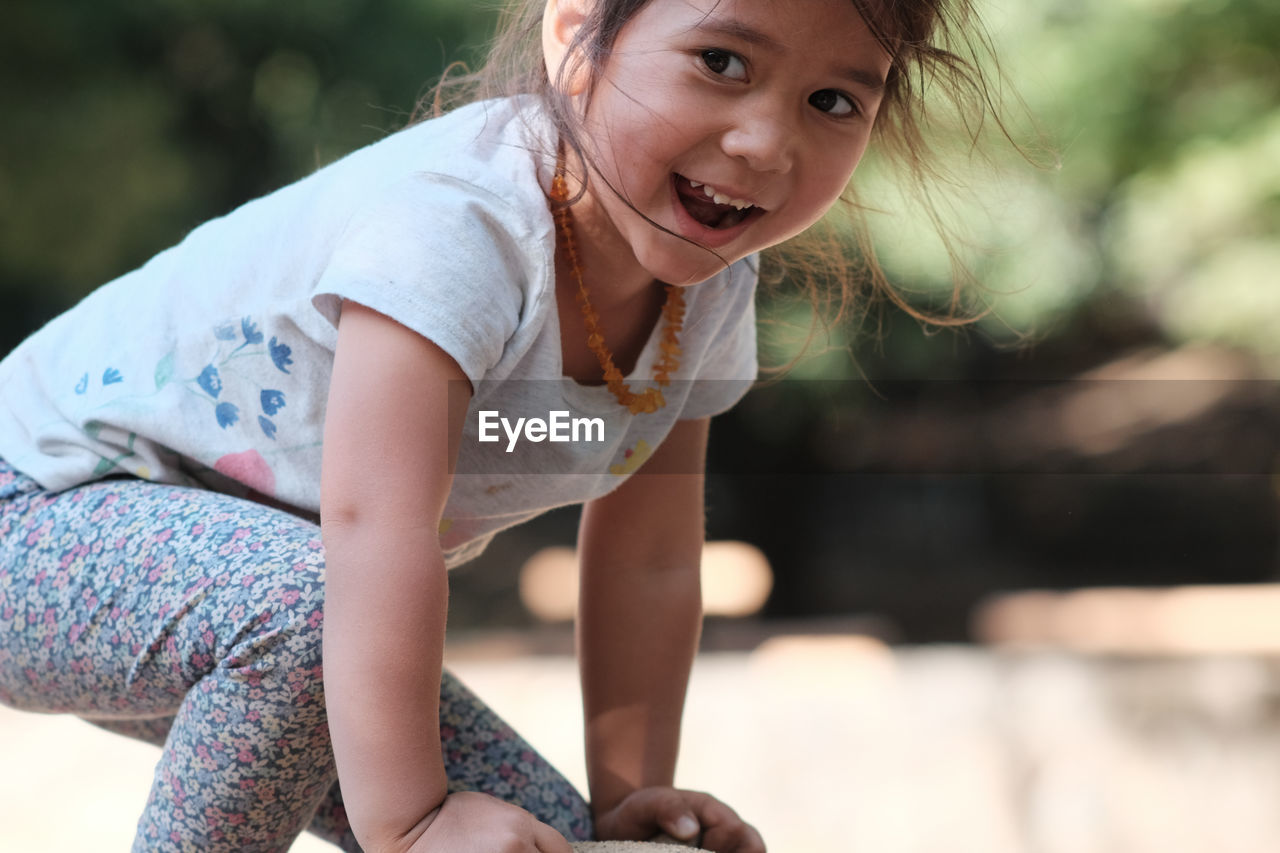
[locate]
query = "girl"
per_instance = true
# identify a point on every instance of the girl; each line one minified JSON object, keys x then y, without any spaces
{"x":344,"y":347}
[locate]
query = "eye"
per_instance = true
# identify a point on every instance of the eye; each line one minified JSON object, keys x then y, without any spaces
{"x":833,"y":102}
{"x":724,"y":63}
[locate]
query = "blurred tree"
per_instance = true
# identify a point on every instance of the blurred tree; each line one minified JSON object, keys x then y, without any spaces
{"x":1165,"y":213}
{"x":127,"y":124}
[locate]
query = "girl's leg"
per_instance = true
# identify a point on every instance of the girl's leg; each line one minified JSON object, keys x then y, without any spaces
{"x":485,"y":755}
{"x":152,"y":730}
{"x":128,"y":601}
{"x":118,"y":597}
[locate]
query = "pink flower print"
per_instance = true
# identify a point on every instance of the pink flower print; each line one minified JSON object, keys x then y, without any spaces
{"x":250,"y":468}
{"x":290,"y":597}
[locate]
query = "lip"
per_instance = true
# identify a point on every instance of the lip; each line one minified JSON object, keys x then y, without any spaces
{"x":712,"y":238}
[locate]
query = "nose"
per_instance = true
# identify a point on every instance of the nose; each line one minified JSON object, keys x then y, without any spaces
{"x":761,"y":138}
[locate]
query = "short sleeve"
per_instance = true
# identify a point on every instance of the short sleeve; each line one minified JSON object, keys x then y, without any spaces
{"x":728,"y":366}
{"x":442,"y":257}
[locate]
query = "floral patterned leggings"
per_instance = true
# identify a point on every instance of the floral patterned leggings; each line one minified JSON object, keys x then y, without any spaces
{"x":192,"y":620}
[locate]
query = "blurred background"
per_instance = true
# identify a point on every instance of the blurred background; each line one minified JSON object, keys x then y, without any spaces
{"x":1007,"y":588}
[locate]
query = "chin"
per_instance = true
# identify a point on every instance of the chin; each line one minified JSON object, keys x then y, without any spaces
{"x":695,"y":264}
{"x":688,"y":276}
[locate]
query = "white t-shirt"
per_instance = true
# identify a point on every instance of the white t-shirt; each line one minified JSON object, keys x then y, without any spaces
{"x":210,"y":365}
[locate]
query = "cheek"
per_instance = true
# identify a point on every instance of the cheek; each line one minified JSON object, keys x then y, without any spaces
{"x":831,"y":183}
{"x":822,"y":193}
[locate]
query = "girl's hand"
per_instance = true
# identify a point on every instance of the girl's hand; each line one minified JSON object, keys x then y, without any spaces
{"x":478,"y":823}
{"x":688,"y":816}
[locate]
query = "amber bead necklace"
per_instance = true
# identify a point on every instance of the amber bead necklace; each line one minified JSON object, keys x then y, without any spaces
{"x":650,"y":399}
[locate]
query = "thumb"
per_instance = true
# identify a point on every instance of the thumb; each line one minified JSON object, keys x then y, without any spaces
{"x":681,"y":828}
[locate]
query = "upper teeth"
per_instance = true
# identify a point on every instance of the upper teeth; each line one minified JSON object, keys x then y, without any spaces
{"x":719,"y":197}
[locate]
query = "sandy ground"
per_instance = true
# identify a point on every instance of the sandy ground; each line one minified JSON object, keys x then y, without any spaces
{"x":836,"y":744}
{"x":752,"y":736}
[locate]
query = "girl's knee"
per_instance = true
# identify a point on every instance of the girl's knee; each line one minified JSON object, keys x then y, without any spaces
{"x":281,"y":637}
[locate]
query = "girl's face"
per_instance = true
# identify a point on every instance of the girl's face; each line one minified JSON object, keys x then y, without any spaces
{"x":734,"y":123}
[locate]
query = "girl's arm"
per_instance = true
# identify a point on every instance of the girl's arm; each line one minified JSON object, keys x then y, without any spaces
{"x":389,"y":443}
{"x":639,"y":619}
{"x":395,"y":414}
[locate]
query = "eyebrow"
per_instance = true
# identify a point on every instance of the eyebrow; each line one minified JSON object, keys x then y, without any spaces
{"x":736,"y":29}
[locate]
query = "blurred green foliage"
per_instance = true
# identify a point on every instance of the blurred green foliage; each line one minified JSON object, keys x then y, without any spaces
{"x":1165,"y":116}
{"x":125,"y":124}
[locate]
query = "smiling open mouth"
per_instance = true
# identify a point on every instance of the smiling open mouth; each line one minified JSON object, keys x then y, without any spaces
{"x":711,"y":208}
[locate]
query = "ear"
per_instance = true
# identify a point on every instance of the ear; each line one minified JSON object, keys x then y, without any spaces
{"x":561,"y":21}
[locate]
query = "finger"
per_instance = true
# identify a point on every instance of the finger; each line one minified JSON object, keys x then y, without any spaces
{"x":725,"y":838}
{"x":738,"y":837}
{"x":651,"y":810}
{"x":723,"y":830}
{"x":754,"y":842}
{"x":548,"y":840}
{"x":709,"y":811}
{"x":677,"y":819}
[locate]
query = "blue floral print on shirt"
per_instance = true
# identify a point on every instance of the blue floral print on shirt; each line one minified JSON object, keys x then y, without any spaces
{"x":272,"y":401}
{"x":250,"y":331}
{"x":211,"y":380}
{"x":227,"y":414}
{"x":280,"y":355}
